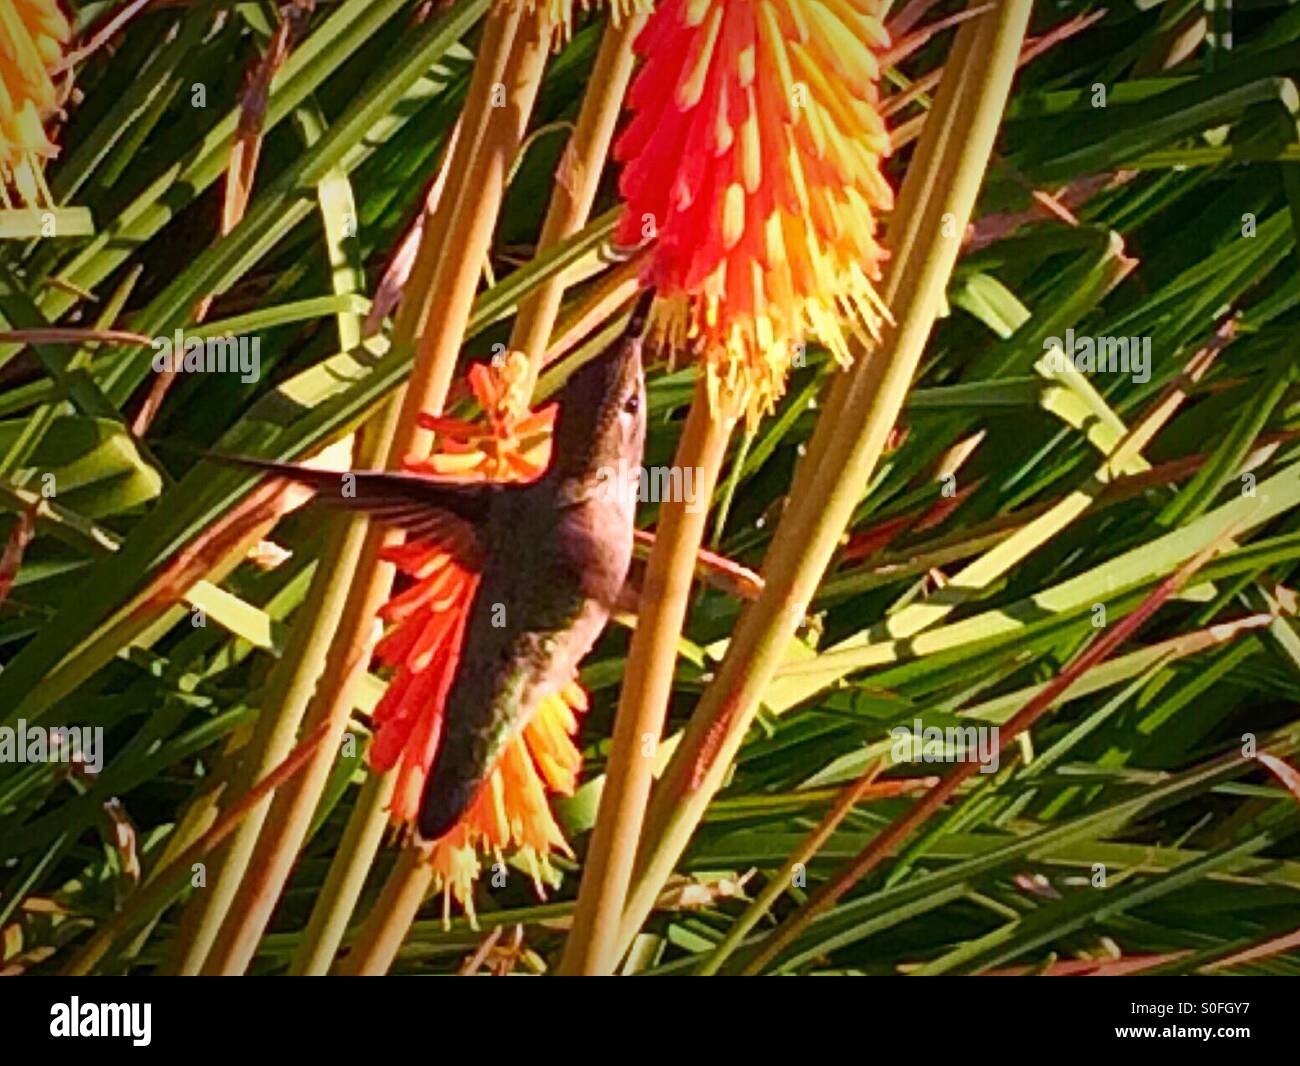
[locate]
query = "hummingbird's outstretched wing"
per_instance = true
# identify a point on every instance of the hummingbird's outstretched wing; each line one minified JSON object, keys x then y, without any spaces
{"x":413,"y":502}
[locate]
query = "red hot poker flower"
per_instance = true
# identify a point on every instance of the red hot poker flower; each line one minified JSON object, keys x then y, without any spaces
{"x":754,"y":158}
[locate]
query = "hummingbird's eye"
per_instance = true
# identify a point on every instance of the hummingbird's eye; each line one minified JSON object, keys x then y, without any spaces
{"x":633,"y":404}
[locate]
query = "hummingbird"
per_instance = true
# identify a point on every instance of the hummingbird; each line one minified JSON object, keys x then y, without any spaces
{"x":557,"y":552}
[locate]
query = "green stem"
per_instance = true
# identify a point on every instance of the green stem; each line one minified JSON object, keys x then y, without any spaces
{"x":592,"y":945}
{"x":575,"y":189}
{"x":347,"y":876}
{"x":287,"y":694}
{"x":273,"y":840}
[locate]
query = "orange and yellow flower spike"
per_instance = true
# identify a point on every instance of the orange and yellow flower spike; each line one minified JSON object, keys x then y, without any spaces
{"x":754,"y":161}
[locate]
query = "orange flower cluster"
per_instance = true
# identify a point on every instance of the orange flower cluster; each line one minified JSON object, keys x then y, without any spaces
{"x":427,"y":620}
{"x":753,"y":160}
{"x":32,"y":36}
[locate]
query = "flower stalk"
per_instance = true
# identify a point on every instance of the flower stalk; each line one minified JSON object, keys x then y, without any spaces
{"x":390,"y":919}
{"x":277,"y":837}
{"x":338,"y":897}
{"x":289,"y":693}
{"x":643,"y":705}
{"x":577,"y":181}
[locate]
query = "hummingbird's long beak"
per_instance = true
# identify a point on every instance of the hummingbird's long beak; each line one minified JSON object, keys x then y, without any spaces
{"x":636,"y":325}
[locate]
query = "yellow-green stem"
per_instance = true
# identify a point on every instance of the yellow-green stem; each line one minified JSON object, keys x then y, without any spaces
{"x":346,"y":878}
{"x":474,"y":207}
{"x":489,"y":69}
{"x":933,"y":210}
{"x":593,"y":309}
{"x":285,"y":827}
{"x":390,"y":920}
{"x":592,"y":946}
{"x":287,"y":693}
{"x":577,"y":182}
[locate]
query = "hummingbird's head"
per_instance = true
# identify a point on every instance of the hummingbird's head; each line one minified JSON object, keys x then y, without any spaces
{"x":602,"y":414}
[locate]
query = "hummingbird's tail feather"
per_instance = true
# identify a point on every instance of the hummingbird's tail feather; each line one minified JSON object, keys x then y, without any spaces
{"x":413,"y":502}
{"x":448,"y":794}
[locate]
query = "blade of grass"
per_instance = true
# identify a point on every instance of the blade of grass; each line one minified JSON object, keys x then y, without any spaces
{"x":783,"y":877}
{"x":883,"y":845}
